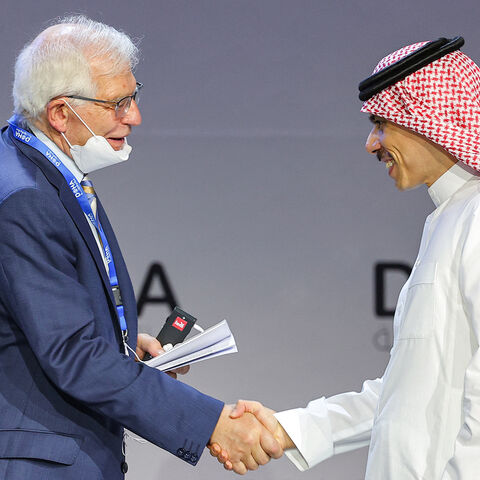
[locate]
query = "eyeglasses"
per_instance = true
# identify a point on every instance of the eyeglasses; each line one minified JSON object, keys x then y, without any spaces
{"x":121,"y":106}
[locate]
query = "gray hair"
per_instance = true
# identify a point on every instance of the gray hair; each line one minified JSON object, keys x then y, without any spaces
{"x":58,"y":62}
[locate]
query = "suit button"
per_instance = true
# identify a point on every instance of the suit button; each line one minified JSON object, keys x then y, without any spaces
{"x":181,"y":452}
{"x":124,"y":467}
{"x":187,"y":455}
{"x":194,"y":458}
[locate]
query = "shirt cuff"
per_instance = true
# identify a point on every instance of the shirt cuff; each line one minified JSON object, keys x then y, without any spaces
{"x":310,"y":430}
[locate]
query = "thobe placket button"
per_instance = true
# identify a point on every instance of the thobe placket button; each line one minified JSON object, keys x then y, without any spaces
{"x":124,"y":467}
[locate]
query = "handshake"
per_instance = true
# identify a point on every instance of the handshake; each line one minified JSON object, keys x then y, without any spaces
{"x":248,"y":435}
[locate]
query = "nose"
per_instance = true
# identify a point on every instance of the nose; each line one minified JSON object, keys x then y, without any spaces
{"x":133,"y":117}
{"x":373,"y":142}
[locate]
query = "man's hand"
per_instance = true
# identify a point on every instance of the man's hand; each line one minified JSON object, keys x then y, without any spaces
{"x":147,"y":343}
{"x":265,"y":416}
{"x":245,"y":441}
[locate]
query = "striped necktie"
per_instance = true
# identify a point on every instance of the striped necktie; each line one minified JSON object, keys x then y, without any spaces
{"x":87,"y":186}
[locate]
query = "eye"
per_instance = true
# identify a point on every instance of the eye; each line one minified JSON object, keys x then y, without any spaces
{"x":378,"y":123}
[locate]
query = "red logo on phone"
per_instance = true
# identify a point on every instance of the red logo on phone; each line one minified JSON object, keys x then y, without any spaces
{"x":180,"y":324}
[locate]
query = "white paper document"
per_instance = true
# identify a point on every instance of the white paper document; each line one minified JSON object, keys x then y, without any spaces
{"x":213,"y":342}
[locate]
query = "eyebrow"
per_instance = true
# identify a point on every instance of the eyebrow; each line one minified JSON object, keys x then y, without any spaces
{"x":117,"y":99}
{"x":376,"y":119}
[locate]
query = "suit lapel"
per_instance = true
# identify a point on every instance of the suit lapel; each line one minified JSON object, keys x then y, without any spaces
{"x":71,"y":205}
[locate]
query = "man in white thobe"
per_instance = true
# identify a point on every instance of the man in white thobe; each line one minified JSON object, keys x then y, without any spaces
{"x":422,"y":418}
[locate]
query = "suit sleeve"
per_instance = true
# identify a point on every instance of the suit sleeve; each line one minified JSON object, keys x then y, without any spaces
{"x":40,"y":288}
{"x":465,"y":462}
{"x":330,"y":426}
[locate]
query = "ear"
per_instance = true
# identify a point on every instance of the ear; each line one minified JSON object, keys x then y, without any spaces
{"x":57,"y":114}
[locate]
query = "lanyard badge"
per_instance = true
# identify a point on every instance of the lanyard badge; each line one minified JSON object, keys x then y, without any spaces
{"x":77,"y":190}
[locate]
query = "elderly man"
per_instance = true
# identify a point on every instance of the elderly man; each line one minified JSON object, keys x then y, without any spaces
{"x":422,"y":418}
{"x":68,"y":326}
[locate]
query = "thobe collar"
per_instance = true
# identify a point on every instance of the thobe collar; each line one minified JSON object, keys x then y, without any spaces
{"x":454,"y":178}
{"x":66,"y":160}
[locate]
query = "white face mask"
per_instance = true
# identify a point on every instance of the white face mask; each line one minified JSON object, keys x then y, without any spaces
{"x":97,"y":153}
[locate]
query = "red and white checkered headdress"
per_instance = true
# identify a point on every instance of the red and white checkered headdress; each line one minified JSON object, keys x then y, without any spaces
{"x":440,"y":101}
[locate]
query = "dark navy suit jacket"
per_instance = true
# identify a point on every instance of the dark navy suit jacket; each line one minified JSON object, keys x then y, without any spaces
{"x":66,"y":389}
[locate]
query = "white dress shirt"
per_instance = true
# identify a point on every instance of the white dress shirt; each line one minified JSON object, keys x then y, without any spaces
{"x":422,"y":418}
{"x":76,"y":172}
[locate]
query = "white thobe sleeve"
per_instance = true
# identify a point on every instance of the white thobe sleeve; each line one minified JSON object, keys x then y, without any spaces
{"x":330,"y":426}
{"x":465,"y":462}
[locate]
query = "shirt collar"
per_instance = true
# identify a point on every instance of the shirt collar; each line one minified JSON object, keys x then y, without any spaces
{"x":446,"y":185}
{"x":66,"y":160}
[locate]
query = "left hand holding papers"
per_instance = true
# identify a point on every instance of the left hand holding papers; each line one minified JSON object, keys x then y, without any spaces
{"x":147,"y":343}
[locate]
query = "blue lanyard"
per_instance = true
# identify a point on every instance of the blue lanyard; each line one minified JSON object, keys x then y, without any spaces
{"x":77,"y":190}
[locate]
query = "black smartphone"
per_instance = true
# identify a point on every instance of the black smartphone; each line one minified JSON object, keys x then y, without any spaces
{"x":177,"y":326}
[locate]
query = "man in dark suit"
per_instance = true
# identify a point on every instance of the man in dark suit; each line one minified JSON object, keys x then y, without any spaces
{"x":68,"y":325}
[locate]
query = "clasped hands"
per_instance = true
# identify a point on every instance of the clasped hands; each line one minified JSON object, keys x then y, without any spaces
{"x":248,"y":435}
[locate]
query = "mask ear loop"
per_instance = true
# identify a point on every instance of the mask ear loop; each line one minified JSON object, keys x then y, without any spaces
{"x":80,"y":118}
{"x":66,"y":139}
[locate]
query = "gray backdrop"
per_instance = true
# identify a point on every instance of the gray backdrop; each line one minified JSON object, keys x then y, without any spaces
{"x":250,"y":184}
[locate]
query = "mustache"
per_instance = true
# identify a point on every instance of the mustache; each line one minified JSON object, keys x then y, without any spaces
{"x":382,"y":154}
